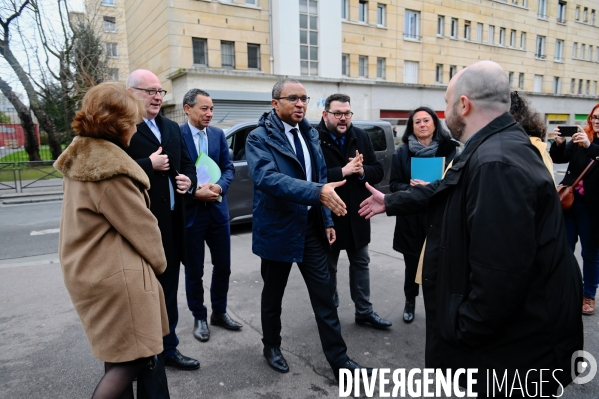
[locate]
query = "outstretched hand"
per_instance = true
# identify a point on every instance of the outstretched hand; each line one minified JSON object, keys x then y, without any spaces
{"x":330,"y":199}
{"x":374,"y":204}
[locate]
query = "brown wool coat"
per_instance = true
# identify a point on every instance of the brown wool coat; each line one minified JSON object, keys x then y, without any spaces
{"x":110,"y":250}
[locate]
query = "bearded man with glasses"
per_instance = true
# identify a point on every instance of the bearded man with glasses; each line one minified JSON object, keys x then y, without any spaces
{"x":349,"y":155}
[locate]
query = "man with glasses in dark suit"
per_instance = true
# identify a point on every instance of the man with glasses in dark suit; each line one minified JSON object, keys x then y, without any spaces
{"x":292,"y":220}
{"x":158,"y":149}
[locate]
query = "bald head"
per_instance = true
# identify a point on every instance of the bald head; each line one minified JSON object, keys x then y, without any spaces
{"x":485,"y":84}
{"x":141,"y":83}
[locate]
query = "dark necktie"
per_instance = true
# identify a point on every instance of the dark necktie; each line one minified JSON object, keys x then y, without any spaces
{"x":340,"y":144}
{"x":299,"y":151}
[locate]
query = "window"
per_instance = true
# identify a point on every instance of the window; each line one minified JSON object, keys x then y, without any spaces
{"x":380,"y":68}
{"x":523,"y":40}
{"x":585,"y":14}
{"x":410,"y":71}
{"x":592,"y":17}
{"x":345,"y":9}
{"x":524,"y":3}
{"x":363,"y":66}
{"x":112,"y":50}
{"x":561,"y":12}
{"x":454,"y":28}
{"x":491,"y":34}
{"x":345,"y":64}
{"x":588,"y":87}
{"x":200,"y":51}
{"x":595,"y":88}
{"x":590,"y":53}
{"x":582,"y":51}
{"x":540,"y":49}
{"x":252,"y":2}
{"x":572,"y":86}
{"x":308,"y":37}
{"x":227,"y":50}
{"x":580,"y":86}
{"x":577,"y":13}
{"x":412,"y":28}
{"x":467,"y":30}
{"x":510,"y":78}
{"x":109,"y":24}
{"x":113,"y":74}
{"x":521,"y":81}
{"x":253,"y":56}
{"x":363,"y":11}
{"x":439,"y":73}
{"x":108,"y":3}
{"x":575,"y":50}
{"x":542,"y":9}
{"x":557,"y":84}
{"x":380,"y":14}
{"x":479,"y":32}
{"x":452,"y":71}
{"x":538,"y":84}
{"x":597,"y":53}
{"x":502,"y":36}
{"x":559,"y":49}
{"x":513,"y":38}
{"x":440,"y":25}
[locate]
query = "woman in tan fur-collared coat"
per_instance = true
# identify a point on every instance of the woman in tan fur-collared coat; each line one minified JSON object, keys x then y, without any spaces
{"x":110,"y":246}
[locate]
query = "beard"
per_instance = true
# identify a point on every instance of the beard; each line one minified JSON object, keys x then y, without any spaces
{"x":456,"y":125}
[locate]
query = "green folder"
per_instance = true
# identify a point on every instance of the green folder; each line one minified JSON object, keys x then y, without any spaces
{"x":207,"y":170}
{"x":428,"y":169}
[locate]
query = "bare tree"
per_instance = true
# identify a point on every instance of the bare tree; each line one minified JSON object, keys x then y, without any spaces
{"x":45,"y":121}
{"x":31,"y":143}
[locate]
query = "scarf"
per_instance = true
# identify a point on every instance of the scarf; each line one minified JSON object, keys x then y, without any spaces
{"x":420,"y":150}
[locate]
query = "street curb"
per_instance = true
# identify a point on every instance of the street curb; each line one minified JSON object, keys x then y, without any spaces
{"x":32,"y":200}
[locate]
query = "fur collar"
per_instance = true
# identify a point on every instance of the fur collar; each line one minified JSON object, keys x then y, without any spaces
{"x":90,"y":159}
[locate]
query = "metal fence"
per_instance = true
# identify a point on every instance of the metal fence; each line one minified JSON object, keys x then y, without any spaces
{"x":17,"y":173}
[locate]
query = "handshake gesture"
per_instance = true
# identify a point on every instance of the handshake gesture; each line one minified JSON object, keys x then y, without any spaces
{"x":354,"y":166}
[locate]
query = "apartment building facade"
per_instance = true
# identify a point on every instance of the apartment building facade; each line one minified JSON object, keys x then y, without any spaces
{"x":390,"y":56}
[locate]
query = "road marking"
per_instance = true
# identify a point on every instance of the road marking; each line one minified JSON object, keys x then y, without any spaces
{"x":42,"y":232}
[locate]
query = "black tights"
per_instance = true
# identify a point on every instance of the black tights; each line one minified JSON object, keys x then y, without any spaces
{"x":117,"y":382}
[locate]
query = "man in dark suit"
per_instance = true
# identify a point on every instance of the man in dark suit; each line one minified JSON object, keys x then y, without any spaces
{"x":158,"y":149}
{"x":292,"y":220}
{"x":207,"y":217}
{"x":349,"y":155}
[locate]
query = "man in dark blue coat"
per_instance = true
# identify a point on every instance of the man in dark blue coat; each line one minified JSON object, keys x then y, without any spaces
{"x":207,"y":217}
{"x":158,"y":149}
{"x":349,"y":156}
{"x":290,"y":223}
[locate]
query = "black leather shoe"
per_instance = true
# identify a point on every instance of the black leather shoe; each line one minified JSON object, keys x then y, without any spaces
{"x":275,"y":359}
{"x":351,"y":366}
{"x":181,"y":362}
{"x":374,"y":320}
{"x":408,"y":311}
{"x":225,"y":321}
{"x":200,"y":330}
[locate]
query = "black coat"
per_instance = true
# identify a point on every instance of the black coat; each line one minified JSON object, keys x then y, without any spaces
{"x":410,"y":230}
{"x":352,"y":230}
{"x":579,"y":158}
{"x":143,"y":144}
{"x":502,"y":290}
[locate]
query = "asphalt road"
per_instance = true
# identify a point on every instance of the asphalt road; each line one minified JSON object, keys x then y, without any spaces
{"x":44,"y":353}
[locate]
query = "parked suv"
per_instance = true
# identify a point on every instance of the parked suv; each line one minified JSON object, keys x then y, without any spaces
{"x":240,"y":194}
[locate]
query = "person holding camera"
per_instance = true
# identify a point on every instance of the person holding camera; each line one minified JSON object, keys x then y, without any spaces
{"x":582,"y":219}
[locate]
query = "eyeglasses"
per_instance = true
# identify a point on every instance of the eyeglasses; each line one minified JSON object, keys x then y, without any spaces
{"x":594,"y":118}
{"x":338,"y":115}
{"x":294,"y":99}
{"x":152,"y":92}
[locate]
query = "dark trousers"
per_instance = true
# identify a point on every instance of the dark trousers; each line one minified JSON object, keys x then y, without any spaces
{"x":410,"y":287}
{"x":316,"y":275}
{"x":218,"y":238}
{"x":170,"y":285}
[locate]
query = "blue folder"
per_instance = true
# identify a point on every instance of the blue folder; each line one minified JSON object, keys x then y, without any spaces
{"x":427,"y":169}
